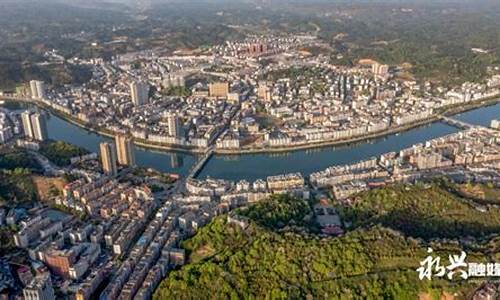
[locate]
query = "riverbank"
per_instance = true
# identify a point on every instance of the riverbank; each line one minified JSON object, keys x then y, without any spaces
{"x":446,"y":111}
{"x":400,"y":129}
{"x":331,"y":143}
{"x":106,"y":133}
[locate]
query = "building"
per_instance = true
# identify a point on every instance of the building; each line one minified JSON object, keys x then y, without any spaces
{"x":37,"y":89}
{"x":39,"y":127}
{"x":125,"y":150}
{"x":60,"y":262}
{"x":108,"y":158}
{"x":174,"y":125}
{"x":257,"y":49}
{"x":139,"y":92}
{"x":26,"y":120}
{"x":264,"y":92}
{"x":34,"y":126}
{"x":487,"y":292}
{"x":5,"y":134}
{"x":40,"y":288}
{"x":173,"y":81}
{"x":287,"y":181}
{"x":380,"y":70}
{"x":218,"y":89}
{"x":495,"y":124}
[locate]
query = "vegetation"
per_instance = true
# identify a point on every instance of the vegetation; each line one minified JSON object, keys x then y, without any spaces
{"x":11,"y":158}
{"x":152,"y":174}
{"x":278,"y":211}
{"x":6,"y":240}
{"x":423,"y":211}
{"x":16,"y":183}
{"x":481,"y":193}
{"x":156,"y":188}
{"x":16,"y":187}
{"x":372,"y":262}
{"x":435,"y":38}
{"x":13,"y":74}
{"x":180,"y":91}
{"x":60,"y":152}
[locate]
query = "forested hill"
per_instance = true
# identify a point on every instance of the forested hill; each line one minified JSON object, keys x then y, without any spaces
{"x":272,"y":258}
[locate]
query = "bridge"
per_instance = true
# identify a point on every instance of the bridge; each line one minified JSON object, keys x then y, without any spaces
{"x":457,"y":123}
{"x":16,"y":98}
{"x":196,"y":169}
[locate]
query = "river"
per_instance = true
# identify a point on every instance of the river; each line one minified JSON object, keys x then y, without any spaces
{"x":254,"y":166}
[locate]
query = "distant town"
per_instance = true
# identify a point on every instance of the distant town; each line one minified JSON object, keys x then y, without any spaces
{"x":259,"y":94}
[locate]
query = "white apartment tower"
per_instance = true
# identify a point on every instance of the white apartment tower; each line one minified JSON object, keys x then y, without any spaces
{"x":26,"y":120}
{"x":125,"y":150}
{"x":39,"y":127}
{"x":34,"y":125}
{"x":108,"y":158}
{"x":37,"y":89}
{"x":139,"y":92}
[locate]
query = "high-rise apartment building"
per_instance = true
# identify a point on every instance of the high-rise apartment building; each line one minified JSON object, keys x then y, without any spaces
{"x":26,"y":120}
{"x":108,"y":158}
{"x":39,"y":126}
{"x":218,"y":89}
{"x":34,"y":125}
{"x":125,"y":150}
{"x":139,"y":92}
{"x":37,"y":89}
{"x":174,"y":125}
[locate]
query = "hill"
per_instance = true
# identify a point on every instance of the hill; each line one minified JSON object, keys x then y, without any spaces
{"x":370,"y":262}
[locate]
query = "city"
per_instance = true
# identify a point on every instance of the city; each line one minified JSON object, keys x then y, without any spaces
{"x":99,"y":223}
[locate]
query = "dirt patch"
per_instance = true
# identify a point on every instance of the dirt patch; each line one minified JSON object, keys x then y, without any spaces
{"x":481,"y":193}
{"x":201,"y":253}
{"x":366,"y":62}
{"x":46,"y":186}
{"x":443,"y":296}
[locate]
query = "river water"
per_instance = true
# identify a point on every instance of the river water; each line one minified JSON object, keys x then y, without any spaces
{"x":254,"y":166}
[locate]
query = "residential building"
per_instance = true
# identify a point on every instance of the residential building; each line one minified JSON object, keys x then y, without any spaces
{"x":219,"y":89}
{"x":26,"y":120}
{"x":125,"y":150}
{"x":379,"y":69}
{"x":39,"y":127}
{"x":139,"y":92}
{"x":37,"y":89}
{"x":108,"y":158}
{"x":174,"y":125}
{"x":495,"y":124}
{"x":40,"y":288}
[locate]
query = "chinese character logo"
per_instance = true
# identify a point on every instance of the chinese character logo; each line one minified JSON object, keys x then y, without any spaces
{"x":431,"y":266}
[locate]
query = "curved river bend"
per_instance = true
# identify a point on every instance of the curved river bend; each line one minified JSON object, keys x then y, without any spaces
{"x":254,"y":166}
